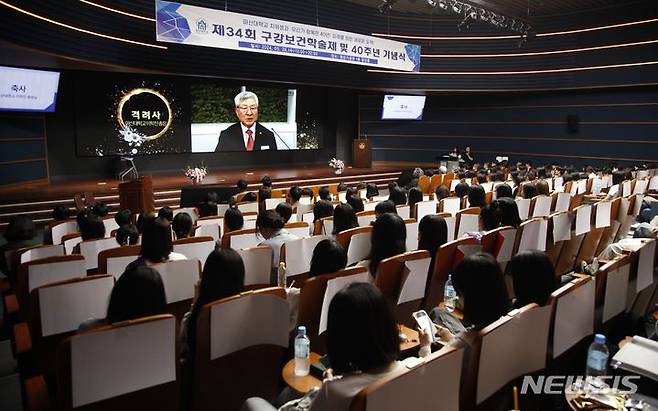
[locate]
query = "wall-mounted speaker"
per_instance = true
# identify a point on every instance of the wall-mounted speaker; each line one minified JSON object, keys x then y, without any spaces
{"x":573,"y":123}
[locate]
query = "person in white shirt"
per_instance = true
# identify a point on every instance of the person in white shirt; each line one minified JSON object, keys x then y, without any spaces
{"x":270,"y":226}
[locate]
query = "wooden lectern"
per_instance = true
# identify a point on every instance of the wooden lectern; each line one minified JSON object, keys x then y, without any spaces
{"x":361,"y":153}
{"x":137,"y":195}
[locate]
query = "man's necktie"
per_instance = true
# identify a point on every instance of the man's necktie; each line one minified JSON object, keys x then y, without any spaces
{"x":250,"y":140}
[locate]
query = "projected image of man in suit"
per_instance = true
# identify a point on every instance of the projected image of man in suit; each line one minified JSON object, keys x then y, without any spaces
{"x":247,"y":134}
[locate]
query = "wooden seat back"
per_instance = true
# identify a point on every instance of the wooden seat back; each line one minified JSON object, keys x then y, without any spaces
{"x":195,"y":248}
{"x":115,"y":260}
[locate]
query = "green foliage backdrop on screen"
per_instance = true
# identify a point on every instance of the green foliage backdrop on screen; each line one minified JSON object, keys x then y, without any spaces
{"x":214,"y":104}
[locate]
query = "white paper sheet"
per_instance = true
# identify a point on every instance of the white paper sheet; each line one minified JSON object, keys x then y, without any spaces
{"x":453,"y":184}
{"x":582,"y":186}
{"x":302,"y":232}
{"x":424,"y":208}
{"x":90,"y":250}
{"x":179,"y":278}
{"x":505,"y":252}
{"x":616,"y":289}
{"x":640,"y":356}
{"x":131,"y":358}
{"x":365,"y":220}
{"x":608,"y":180}
{"x":117,"y":265}
{"x":243,"y":241}
{"x":299,"y":253}
{"x":42,"y":274}
{"x":198,"y":251}
{"x":64,"y":307}
{"x":404,"y":211}
{"x":416,"y":279}
{"x":110,"y":225}
{"x":412,"y":236}
{"x":359,"y":247}
{"x":534,"y":236}
{"x":42,"y":252}
{"x":58,"y":231}
{"x":653,"y":183}
{"x":645,"y":266}
{"x":253,"y":320}
{"x":71,"y":243}
{"x":523,"y":204}
{"x":326,"y":227}
{"x":257,"y":265}
{"x":250,"y":206}
{"x":271,"y":203}
{"x":450,"y":223}
{"x":542,"y":206}
{"x":603,"y":210}
{"x":640,"y":186}
{"x":563,"y":201}
{"x":333,"y":286}
{"x":574,"y":318}
{"x":583,"y":219}
{"x":468,"y":223}
{"x":487,"y":186}
{"x":451,"y":205}
{"x":210,"y":230}
{"x":561,"y":227}
{"x":626,"y":188}
{"x":558,"y":184}
{"x":369,"y":206}
{"x":574,"y":188}
{"x":597,"y":185}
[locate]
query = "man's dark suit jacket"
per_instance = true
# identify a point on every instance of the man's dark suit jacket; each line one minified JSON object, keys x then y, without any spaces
{"x":231,"y":139}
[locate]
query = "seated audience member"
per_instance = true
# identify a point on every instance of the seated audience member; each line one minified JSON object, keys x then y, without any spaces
{"x":324,"y":193}
{"x":441,"y":192}
{"x":398,"y":196}
{"x":476,"y":196}
{"x":270,"y":225}
{"x":263,"y":194}
{"x":479,"y":283}
{"x":123,"y":217}
{"x":363,"y":344}
{"x":20,"y":233}
{"x":208,"y":207}
{"x":233,"y":220}
{"x":356,"y":203}
{"x":341,"y":187}
{"x":182,"y":226}
{"x":266,"y":181}
{"x":100,"y":209}
{"x":389,"y":236}
{"x":615,"y":191}
{"x":509,"y":212}
{"x":222,"y":276}
{"x":371,"y":191}
{"x":344,"y":218}
{"x":92,"y":228}
{"x":384,"y":207}
{"x":81,"y":218}
{"x":328,"y":257}
{"x":250,"y":197}
{"x":542,"y":188}
{"x":461,"y":189}
{"x":415,"y":196}
{"x":138,"y":293}
{"x":308,"y":192}
{"x":294,"y":194}
{"x":61,"y":213}
{"x":156,"y":244}
{"x":167,"y":213}
{"x":529,"y":190}
{"x":241,"y":186}
{"x":533,"y":276}
{"x":127,"y":234}
{"x":432,"y":234}
{"x":481,"y":178}
{"x":361,"y":185}
{"x":351,"y":191}
{"x":142,"y":218}
{"x":322,"y":209}
{"x":503,"y":190}
{"x":284,"y":210}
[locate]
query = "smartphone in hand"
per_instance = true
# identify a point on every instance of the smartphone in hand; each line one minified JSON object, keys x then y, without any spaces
{"x":424,"y":322}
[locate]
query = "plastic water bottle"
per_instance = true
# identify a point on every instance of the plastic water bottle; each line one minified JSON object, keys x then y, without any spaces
{"x":281,"y":275}
{"x":449,"y":295}
{"x":302,"y":352}
{"x":597,"y":357}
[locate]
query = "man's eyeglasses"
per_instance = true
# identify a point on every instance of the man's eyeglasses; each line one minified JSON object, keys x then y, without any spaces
{"x":247,"y":108}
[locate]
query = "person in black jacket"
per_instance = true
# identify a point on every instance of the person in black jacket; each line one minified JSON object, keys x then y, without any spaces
{"x":247,"y":134}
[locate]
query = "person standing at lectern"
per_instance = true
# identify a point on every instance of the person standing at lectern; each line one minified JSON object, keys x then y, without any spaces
{"x":247,"y":134}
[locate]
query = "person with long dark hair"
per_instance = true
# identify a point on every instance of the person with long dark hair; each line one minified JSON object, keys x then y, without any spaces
{"x":533,"y":276}
{"x":509,"y":212}
{"x":415,"y":196}
{"x":157,"y":246}
{"x":356,"y":203}
{"x":344,"y":218}
{"x":432,"y":234}
{"x":389,"y":236}
{"x":270,"y":226}
{"x":328,"y":257}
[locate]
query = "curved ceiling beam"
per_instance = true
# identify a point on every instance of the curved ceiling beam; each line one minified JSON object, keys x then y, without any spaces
{"x":125,"y":13}
{"x":512,"y":73}
{"x":541,"y":53}
{"x":514,"y":37}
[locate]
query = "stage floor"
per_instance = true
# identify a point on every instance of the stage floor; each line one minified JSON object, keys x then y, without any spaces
{"x":164,"y":181}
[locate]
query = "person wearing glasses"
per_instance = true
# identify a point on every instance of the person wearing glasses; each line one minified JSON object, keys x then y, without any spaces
{"x":247,"y":134}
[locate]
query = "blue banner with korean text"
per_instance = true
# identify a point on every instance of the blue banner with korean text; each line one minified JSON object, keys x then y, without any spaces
{"x":200,"y":26}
